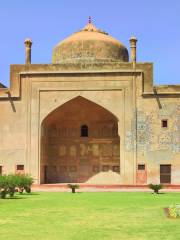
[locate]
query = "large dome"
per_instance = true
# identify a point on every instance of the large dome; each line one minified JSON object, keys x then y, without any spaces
{"x":90,"y":44}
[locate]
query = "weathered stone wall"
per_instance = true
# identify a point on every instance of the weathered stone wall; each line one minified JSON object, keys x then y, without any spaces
{"x":37,"y":90}
{"x":157,"y":145}
{"x":13,"y":130}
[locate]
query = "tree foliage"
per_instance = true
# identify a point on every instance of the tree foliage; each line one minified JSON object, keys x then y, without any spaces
{"x":156,"y":187}
{"x":11,"y":183}
{"x":73,"y":187}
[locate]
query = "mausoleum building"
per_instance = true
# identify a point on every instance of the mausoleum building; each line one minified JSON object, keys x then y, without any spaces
{"x":92,"y":116}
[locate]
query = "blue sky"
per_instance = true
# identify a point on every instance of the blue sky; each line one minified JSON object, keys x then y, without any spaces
{"x":155,"y":23}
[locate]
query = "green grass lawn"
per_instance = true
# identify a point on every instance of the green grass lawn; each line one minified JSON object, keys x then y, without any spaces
{"x":88,"y":216}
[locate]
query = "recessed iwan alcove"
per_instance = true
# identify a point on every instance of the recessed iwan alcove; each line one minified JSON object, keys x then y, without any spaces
{"x":80,"y":143}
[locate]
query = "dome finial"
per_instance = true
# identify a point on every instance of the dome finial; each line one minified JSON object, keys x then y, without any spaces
{"x":89,"y":20}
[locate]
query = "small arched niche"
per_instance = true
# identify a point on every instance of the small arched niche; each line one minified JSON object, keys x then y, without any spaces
{"x":84,"y":131}
{"x":79,"y":143}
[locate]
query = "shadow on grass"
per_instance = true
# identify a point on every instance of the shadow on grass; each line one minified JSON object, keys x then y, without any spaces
{"x":20,"y":196}
{"x":29,"y":194}
{"x":75,"y":193}
{"x":160,"y":193}
{"x":13,"y":198}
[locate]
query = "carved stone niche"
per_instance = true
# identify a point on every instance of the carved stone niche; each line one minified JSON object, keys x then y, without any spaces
{"x":83,"y":149}
{"x":115,"y":160}
{"x":114,"y":130}
{"x":105,"y":168}
{"x":53,"y":151}
{"x":96,"y":168}
{"x":84,"y":160}
{"x":116,"y":168}
{"x":62,"y":150}
{"x":95,"y":133}
{"x":106,"y":131}
{"x":72,"y":168}
{"x":63,"y":169}
{"x":106,"y":150}
{"x":53,"y":131}
{"x":116,"y":150}
{"x":73,"y":151}
{"x":95,"y":150}
{"x":63,"y":132}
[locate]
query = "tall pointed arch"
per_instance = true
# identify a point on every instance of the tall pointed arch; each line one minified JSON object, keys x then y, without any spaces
{"x":79,"y":142}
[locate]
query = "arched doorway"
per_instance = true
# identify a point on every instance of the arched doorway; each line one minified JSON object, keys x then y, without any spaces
{"x":79,"y":140}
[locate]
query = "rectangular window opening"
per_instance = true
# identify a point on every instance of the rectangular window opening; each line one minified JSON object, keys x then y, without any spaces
{"x":20,"y":167}
{"x":164,"y":123}
{"x":165,"y":173}
{"x":1,"y":170}
{"x":141,"y":166}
